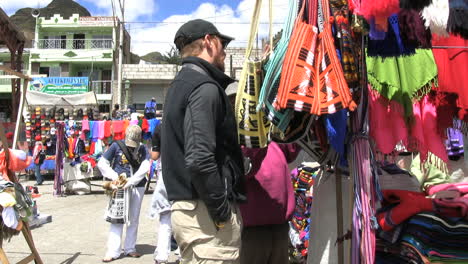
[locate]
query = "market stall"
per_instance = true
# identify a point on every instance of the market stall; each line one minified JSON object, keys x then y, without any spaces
{"x":376,"y":92}
{"x":53,"y":119}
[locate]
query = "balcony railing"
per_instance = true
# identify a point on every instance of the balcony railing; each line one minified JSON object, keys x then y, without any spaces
{"x":101,"y":87}
{"x":74,"y":43}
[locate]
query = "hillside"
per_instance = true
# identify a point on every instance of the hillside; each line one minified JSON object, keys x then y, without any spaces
{"x":24,"y":21}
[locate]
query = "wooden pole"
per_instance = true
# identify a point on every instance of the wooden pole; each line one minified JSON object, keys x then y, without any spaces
{"x":20,"y":112}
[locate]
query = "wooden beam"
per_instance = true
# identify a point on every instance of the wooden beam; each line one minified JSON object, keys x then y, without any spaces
{"x":13,"y":72}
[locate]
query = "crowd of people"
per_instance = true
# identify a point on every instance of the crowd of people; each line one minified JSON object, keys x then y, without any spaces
{"x":223,"y":203}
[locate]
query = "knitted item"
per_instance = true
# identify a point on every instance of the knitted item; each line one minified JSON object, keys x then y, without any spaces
{"x":413,"y":32}
{"x":392,"y":45}
{"x":436,"y":17}
{"x":403,"y":78}
{"x":458,"y":18}
{"x":378,"y":9}
{"x":408,"y":204}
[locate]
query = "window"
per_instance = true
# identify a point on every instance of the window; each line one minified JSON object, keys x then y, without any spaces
{"x":104,"y":108}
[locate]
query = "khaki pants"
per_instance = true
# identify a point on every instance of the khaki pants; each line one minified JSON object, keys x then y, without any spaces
{"x":198,"y":239}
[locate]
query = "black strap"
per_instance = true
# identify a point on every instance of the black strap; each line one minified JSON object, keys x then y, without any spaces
{"x":131,"y":158}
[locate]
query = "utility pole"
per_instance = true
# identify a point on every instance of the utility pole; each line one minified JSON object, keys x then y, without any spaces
{"x":121,"y":52}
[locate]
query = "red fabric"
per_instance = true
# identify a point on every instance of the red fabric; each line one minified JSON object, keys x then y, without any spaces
{"x":446,"y":105}
{"x":452,"y":65}
{"x":379,"y":9}
{"x":409,"y":204}
{"x":107,"y":129}
{"x":388,"y":128}
{"x":118,"y":130}
{"x":145,"y":125}
{"x":15,"y":164}
{"x":92,"y":148}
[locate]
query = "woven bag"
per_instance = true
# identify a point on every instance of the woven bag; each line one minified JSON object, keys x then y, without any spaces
{"x":314,"y":81}
{"x":253,"y":125}
{"x":279,"y":118}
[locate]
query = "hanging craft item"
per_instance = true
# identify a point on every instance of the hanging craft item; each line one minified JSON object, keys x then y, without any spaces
{"x":253,"y":125}
{"x":280,"y":118}
{"x":413,"y":31}
{"x":436,"y":17}
{"x":313,"y":81}
{"x":378,"y":10}
{"x":458,"y":18}
{"x":403,"y":78}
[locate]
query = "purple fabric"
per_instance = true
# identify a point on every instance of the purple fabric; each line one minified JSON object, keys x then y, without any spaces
{"x":95,"y":133}
{"x":374,"y":33}
{"x":270,"y":194}
{"x":454,"y":142}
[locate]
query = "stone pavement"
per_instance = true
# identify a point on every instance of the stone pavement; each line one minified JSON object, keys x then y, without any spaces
{"x":78,"y":231}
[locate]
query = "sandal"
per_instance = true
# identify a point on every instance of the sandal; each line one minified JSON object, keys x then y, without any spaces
{"x":134,"y":254}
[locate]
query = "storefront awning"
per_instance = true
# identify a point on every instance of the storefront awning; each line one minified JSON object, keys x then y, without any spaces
{"x":70,"y":100}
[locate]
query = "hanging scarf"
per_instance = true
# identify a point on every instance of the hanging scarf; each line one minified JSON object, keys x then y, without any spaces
{"x":446,"y":108}
{"x":336,"y":131}
{"x":388,"y":128}
{"x":453,"y":68}
{"x":107,"y":129}
{"x":403,"y":78}
{"x":380,"y":10}
{"x":58,"y":179}
{"x":345,"y":42}
{"x":273,"y":68}
{"x":436,"y":17}
{"x":413,"y":31}
{"x":392,"y":45}
{"x":458,"y":18}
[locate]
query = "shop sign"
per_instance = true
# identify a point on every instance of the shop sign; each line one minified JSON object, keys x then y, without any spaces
{"x":96,"y":21}
{"x":60,"y":85}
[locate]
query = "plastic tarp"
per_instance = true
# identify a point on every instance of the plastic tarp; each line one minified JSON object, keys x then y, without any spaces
{"x":35,"y":98}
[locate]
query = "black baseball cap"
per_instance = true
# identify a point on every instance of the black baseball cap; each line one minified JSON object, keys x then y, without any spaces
{"x":195,"y":29}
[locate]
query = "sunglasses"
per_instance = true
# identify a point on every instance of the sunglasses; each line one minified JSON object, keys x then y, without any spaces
{"x":224,"y":42}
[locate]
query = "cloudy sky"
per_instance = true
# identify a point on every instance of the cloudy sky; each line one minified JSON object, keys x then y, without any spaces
{"x":153,"y":23}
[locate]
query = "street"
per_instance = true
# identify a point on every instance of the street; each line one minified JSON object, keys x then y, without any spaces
{"x":78,"y":231}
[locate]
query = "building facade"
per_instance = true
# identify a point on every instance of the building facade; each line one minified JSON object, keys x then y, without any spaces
{"x":80,"y":47}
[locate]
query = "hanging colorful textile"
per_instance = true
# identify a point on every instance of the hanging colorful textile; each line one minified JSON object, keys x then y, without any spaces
{"x":453,"y":67}
{"x":314,"y":81}
{"x":273,"y":68}
{"x":366,"y":187}
{"x":58,"y":179}
{"x":388,"y":128}
{"x":403,"y":78}
{"x":436,"y":17}
{"x":252,"y":124}
{"x":392,"y":45}
{"x":379,"y":10}
{"x":345,"y":43}
{"x":458,"y":18}
{"x":413,"y":31}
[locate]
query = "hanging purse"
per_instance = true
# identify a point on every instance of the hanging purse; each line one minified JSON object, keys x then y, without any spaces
{"x":315,"y":82}
{"x":253,"y":125}
{"x":279,"y":118}
{"x":296,"y":85}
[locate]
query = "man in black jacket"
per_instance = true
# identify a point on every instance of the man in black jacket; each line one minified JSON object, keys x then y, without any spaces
{"x":202,"y":162}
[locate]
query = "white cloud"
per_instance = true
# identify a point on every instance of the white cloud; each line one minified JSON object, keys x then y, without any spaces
{"x":233,"y":22}
{"x":134,"y":9}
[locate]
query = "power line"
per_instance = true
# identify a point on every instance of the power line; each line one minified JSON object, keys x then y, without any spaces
{"x":162,"y":22}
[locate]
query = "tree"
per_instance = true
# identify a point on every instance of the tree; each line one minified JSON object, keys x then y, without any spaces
{"x":172,"y":56}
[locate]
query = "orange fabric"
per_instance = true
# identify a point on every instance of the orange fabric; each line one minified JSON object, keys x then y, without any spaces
{"x":126,"y":123}
{"x":314,"y":80}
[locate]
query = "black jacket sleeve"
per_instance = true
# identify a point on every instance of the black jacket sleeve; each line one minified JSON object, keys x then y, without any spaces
{"x":204,"y":111}
{"x":156,"y":139}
